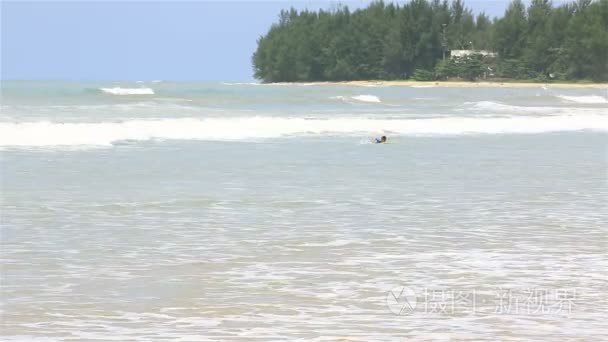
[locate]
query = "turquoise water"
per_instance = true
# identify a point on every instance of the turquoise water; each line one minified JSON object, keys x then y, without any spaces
{"x":210,"y":211}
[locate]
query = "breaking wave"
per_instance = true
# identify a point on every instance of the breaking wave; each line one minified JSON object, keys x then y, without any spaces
{"x":591,"y":99}
{"x":501,"y":107}
{"x":360,"y":98}
{"x":45,"y":133}
{"x":497,"y":107}
{"x":485,"y":105}
{"x":128,"y":91}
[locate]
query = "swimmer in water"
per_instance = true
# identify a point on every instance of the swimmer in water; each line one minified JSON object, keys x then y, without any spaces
{"x":382,"y":140}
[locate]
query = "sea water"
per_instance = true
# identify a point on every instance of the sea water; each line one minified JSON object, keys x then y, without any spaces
{"x":219,"y":211}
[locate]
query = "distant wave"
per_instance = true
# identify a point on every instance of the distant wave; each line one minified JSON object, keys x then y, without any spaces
{"x":490,"y":105}
{"x":44,"y":133}
{"x":128,"y":91}
{"x":269,"y":84}
{"x":497,"y":107}
{"x":360,"y":98}
{"x":241,"y":83}
{"x":584,"y":99}
{"x":367,"y":98}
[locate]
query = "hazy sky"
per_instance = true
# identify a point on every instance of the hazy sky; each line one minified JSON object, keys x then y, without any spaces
{"x":145,"y":40}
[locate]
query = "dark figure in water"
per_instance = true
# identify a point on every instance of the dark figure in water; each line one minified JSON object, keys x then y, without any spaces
{"x":382,"y":140}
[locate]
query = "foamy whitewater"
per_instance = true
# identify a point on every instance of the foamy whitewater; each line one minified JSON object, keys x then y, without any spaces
{"x":152,"y":210}
{"x":128,"y":91}
{"x":45,"y":133}
{"x":585,"y":99}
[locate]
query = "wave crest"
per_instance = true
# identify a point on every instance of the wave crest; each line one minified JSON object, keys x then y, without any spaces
{"x":591,"y":99}
{"x":44,"y":133}
{"x":497,"y":107}
{"x":128,"y":91}
{"x":359,"y":98}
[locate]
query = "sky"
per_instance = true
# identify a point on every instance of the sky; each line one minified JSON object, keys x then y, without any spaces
{"x":145,"y":40}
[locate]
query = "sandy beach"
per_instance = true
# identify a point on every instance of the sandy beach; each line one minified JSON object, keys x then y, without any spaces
{"x":460,"y":84}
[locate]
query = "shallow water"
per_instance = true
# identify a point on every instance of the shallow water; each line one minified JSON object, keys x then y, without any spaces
{"x":290,"y":234}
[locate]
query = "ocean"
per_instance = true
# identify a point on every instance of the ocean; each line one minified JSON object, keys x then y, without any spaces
{"x":192,"y":211}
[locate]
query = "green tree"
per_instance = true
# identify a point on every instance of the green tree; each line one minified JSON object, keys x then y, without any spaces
{"x":391,"y":41}
{"x":511,"y":31}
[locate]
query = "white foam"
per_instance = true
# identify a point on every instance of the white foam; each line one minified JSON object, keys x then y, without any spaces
{"x":584,"y":99}
{"x":44,"y":133}
{"x":497,"y":107}
{"x":128,"y":91}
{"x":367,"y":98}
{"x":489,"y":105}
{"x":360,"y":98}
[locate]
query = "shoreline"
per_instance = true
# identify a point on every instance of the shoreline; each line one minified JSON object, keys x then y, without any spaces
{"x":453,"y":84}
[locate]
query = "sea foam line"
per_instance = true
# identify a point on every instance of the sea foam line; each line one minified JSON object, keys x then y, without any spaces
{"x":128,"y":91}
{"x":360,"y":98}
{"x":44,"y":133}
{"x":584,"y":99}
{"x":497,"y":107}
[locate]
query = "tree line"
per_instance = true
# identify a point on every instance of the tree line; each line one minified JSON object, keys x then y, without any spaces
{"x":414,"y":40}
